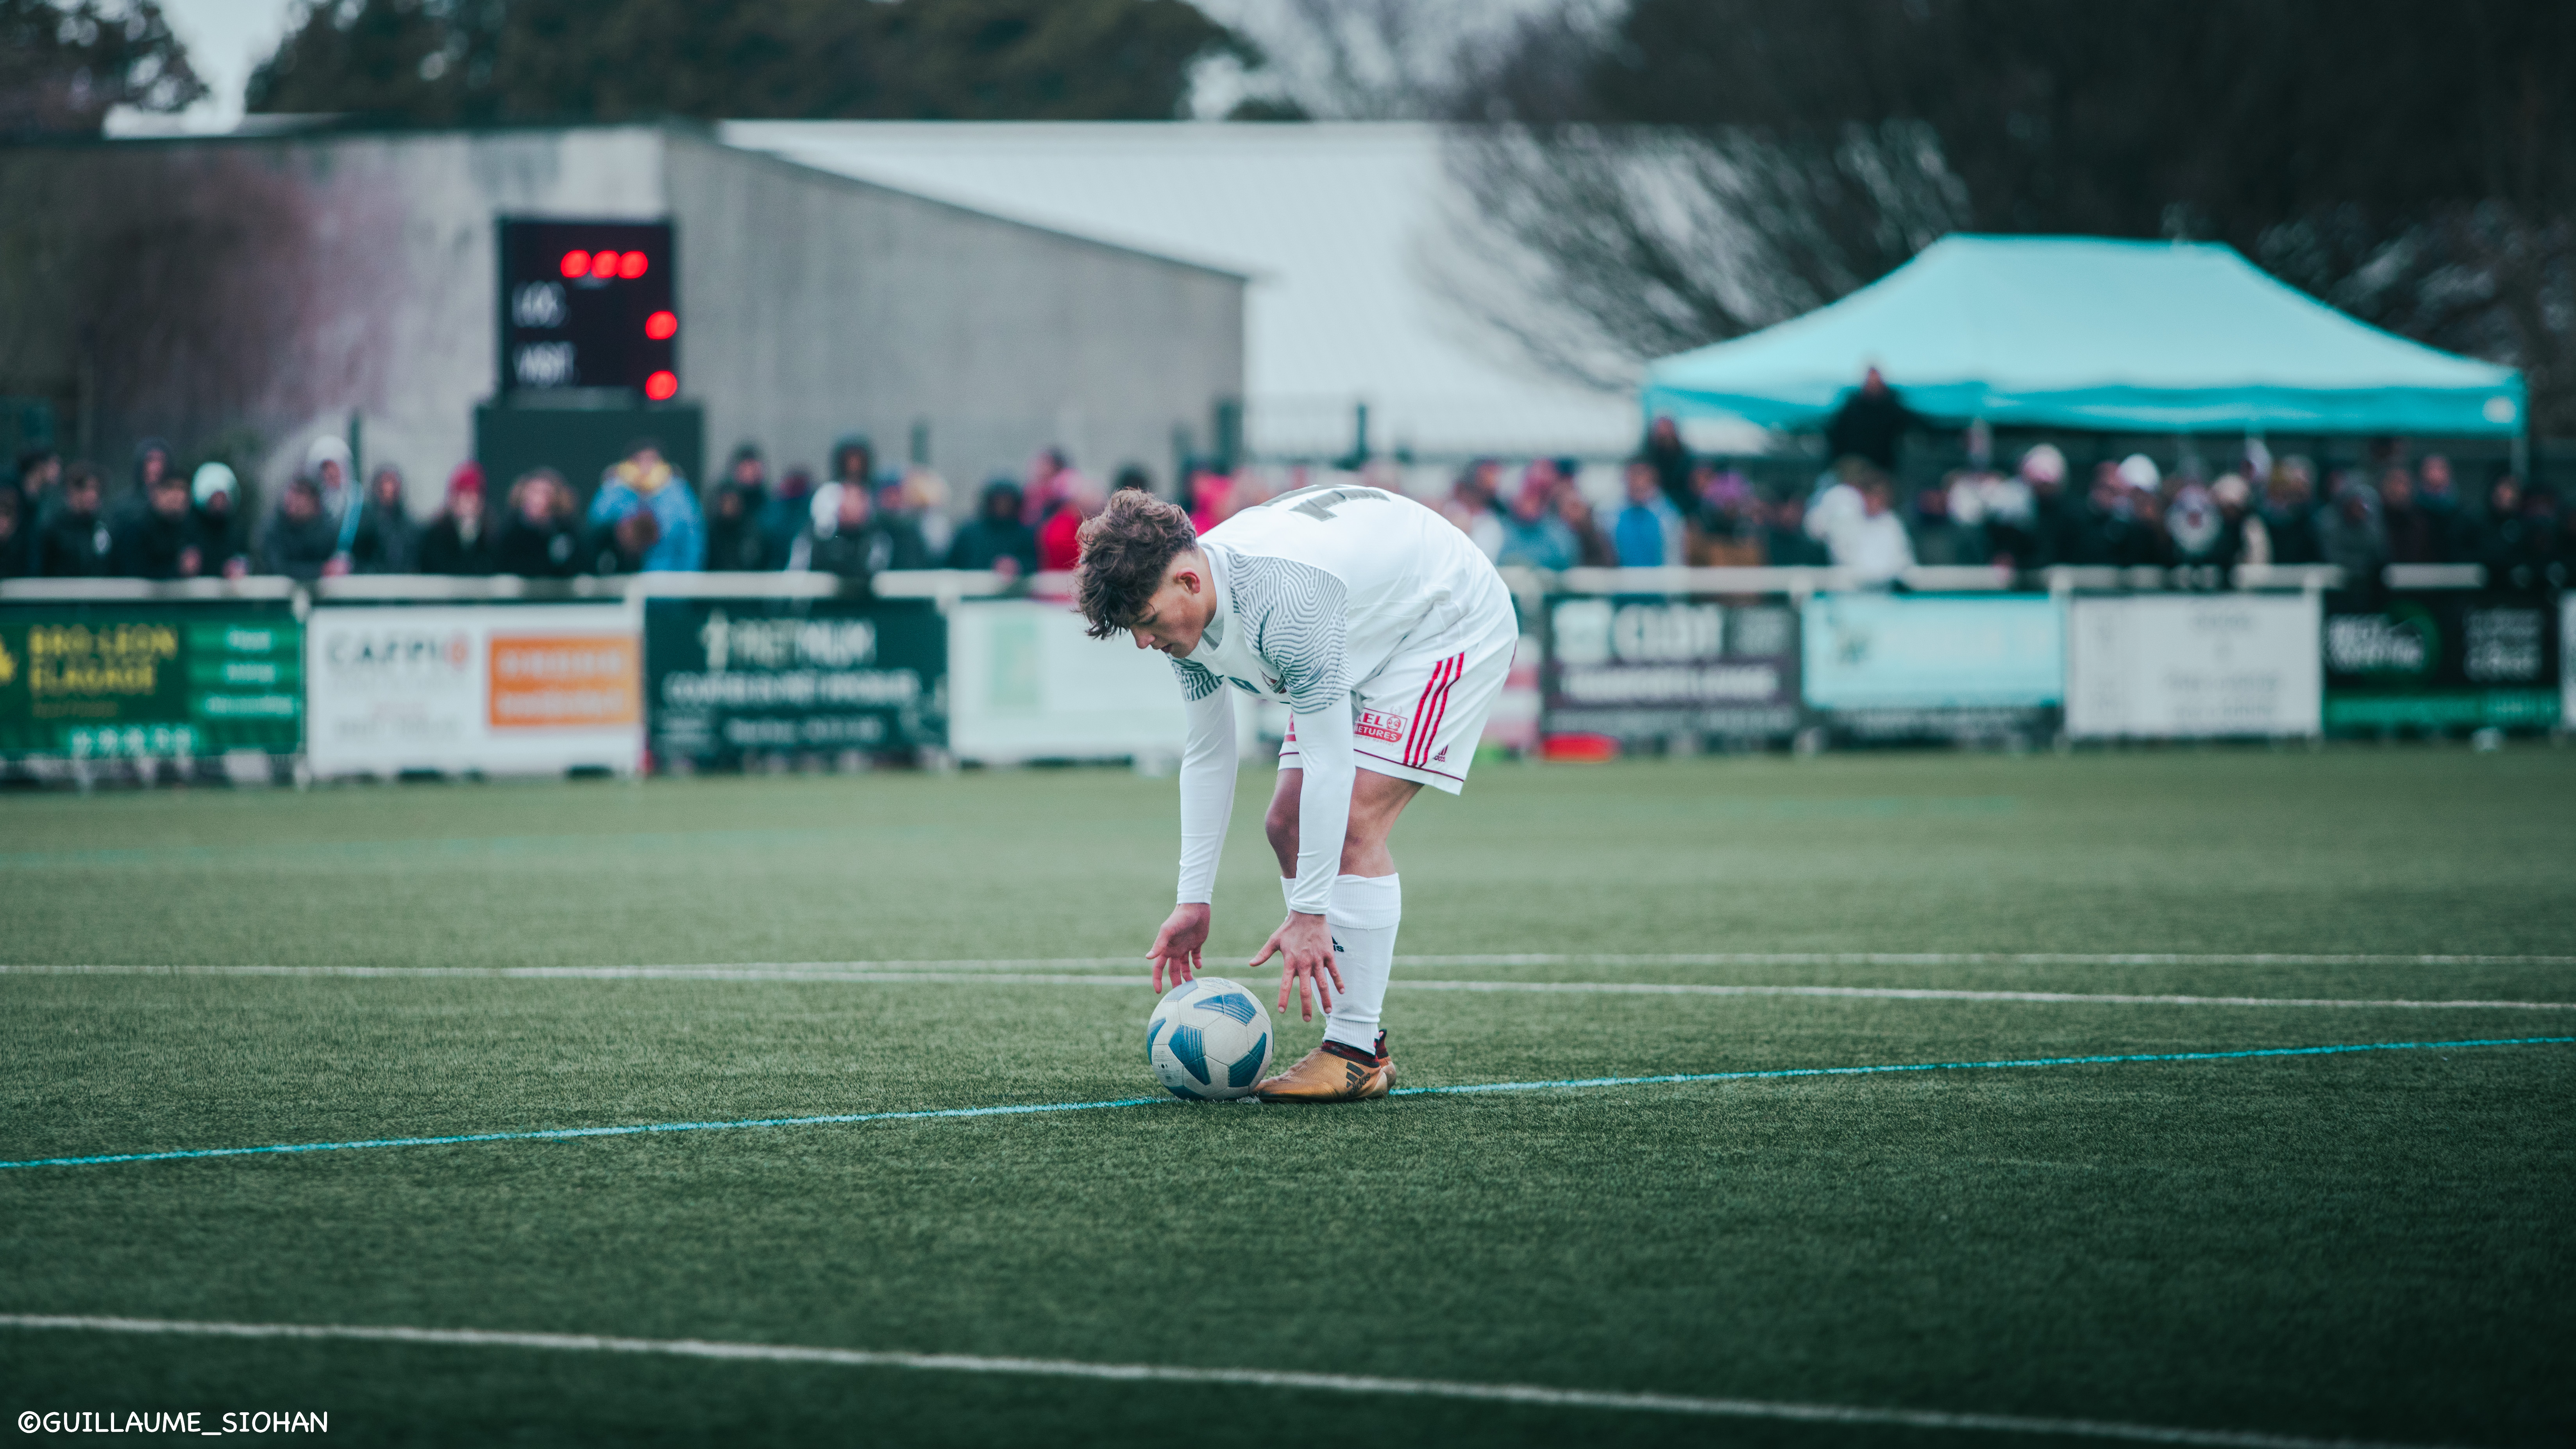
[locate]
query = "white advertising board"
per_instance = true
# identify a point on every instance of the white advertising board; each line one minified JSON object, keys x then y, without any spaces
{"x":499,"y":689}
{"x":2567,"y":661}
{"x":2200,"y":665}
{"x":1025,"y":684}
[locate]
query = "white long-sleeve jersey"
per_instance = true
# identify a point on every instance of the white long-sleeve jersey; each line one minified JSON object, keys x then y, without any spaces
{"x":1315,"y":591}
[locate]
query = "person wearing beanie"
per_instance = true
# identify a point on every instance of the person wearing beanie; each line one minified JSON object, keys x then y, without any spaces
{"x":459,"y":539}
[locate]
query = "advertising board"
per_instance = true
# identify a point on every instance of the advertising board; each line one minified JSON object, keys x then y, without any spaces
{"x":2566,"y":659}
{"x":2194,"y":665}
{"x":1025,"y":684}
{"x":730,"y":677}
{"x":1649,"y":668}
{"x":491,"y":689}
{"x":2442,"y":661}
{"x":118,"y":681}
{"x":1909,"y":664}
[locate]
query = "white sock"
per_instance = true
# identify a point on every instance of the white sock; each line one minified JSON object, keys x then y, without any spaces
{"x":1363,"y":915}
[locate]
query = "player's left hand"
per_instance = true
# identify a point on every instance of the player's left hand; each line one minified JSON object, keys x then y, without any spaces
{"x":1304,"y":946}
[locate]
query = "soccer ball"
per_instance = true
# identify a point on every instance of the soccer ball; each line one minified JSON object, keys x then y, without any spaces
{"x":1208,"y":1040}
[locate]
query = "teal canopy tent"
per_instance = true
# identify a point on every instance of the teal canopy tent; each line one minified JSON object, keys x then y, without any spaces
{"x":2079,"y":332}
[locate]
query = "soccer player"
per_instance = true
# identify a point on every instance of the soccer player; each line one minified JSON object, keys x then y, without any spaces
{"x":1388,"y":636}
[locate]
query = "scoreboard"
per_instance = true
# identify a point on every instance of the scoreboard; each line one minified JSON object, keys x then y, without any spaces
{"x":589,"y":304}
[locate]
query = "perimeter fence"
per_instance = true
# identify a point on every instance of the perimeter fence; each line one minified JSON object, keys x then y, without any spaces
{"x":262,"y":680}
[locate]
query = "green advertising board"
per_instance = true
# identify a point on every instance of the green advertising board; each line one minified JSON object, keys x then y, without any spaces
{"x":145,"y":681}
{"x":2433,"y":662}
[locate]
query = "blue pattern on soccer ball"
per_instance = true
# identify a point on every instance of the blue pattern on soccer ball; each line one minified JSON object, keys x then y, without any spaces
{"x":1152,"y":1031}
{"x":1185,"y":1092}
{"x":1189,"y":1051}
{"x":1240,"y":1075}
{"x":1233,"y":1003}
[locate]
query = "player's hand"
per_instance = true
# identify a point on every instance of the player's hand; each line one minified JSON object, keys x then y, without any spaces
{"x":1304,"y":946}
{"x":1176,"y":946}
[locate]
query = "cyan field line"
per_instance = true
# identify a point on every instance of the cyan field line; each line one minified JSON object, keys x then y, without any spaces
{"x":1079,"y":963}
{"x":1537,"y":1394}
{"x":561,"y":1134}
{"x":980,"y":973}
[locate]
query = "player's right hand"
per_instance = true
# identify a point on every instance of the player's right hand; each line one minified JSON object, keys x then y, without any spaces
{"x":1177,"y":945}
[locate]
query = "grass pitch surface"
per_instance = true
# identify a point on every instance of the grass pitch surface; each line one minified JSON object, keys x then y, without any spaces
{"x":2374,"y":1246}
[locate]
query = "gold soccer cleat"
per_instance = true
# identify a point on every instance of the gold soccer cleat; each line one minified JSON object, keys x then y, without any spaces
{"x":1332,"y":1073}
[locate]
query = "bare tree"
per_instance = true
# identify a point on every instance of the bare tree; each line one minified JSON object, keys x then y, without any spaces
{"x":1691,"y":169}
{"x":1595,"y":248}
{"x":191,"y":290}
{"x":64,"y":66}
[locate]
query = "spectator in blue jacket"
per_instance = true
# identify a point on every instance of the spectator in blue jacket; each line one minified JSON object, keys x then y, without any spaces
{"x":1647,"y":534}
{"x":646,"y":483}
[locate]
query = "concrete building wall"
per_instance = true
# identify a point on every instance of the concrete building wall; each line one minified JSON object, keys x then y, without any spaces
{"x":811,"y":305}
{"x":814,"y":306}
{"x":439,"y":318}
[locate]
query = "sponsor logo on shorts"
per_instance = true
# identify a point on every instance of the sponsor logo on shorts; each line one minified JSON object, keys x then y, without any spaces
{"x":1442,"y":756}
{"x":1379,"y":725}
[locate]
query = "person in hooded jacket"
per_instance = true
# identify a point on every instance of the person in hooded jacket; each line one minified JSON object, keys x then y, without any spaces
{"x":154,"y":460}
{"x":850,"y":536}
{"x":155,"y":538}
{"x":299,"y":540}
{"x":734,"y":540}
{"x":222,"y":521}
{"x":386,"y":540}
{"x":459,"y":540}
{"x":997,"y":538}
{"x":647,"y":483}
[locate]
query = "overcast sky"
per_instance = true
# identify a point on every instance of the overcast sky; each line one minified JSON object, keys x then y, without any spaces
{"x":226,"y":38}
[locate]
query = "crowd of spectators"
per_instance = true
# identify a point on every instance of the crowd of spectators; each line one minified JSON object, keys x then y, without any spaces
{"x":1671,"y":508}
{"x":1677,"y":509}
{"x":62,"y":521}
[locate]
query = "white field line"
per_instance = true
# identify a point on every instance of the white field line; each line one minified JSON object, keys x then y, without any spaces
{"x":951,"y":972}
{"x":1718,"y":958}
{"x":1165,"y":1373}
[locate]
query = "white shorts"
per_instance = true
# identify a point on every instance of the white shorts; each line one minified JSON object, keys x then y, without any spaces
{"x":1420,"y":715}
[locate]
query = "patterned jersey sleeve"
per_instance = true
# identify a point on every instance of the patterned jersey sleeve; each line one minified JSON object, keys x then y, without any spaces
{"x":1300,"y":625}
{"x":1197,"y":681}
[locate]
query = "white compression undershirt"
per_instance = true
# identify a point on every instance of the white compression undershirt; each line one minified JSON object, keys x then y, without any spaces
{"x":1331,"y":769}
{"x":1207,"y":792}
{"x":1323,"y":803}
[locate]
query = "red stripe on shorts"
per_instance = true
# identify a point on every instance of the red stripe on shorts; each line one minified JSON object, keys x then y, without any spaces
{"x":1435,"y":703}
{"x":1440,"y":707}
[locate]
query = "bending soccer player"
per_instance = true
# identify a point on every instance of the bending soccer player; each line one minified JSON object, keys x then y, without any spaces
{"x":1388,"y":636}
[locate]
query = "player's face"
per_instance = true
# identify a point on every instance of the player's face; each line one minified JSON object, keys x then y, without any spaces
{"x":1176,"y":616}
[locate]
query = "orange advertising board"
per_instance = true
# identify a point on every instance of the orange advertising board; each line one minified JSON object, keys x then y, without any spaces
{"x":546,"y":681}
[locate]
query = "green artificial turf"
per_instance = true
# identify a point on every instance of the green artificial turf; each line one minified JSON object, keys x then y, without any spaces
{"x":2374,"y":1246}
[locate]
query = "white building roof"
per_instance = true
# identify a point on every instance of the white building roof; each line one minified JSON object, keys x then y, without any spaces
{"x":1335,"y":223}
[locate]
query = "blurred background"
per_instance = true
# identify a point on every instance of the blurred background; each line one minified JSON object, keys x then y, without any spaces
{"x":1991,"y":302}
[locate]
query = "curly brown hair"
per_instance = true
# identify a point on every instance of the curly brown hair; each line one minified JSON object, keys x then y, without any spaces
{"x":1124,"y":553}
